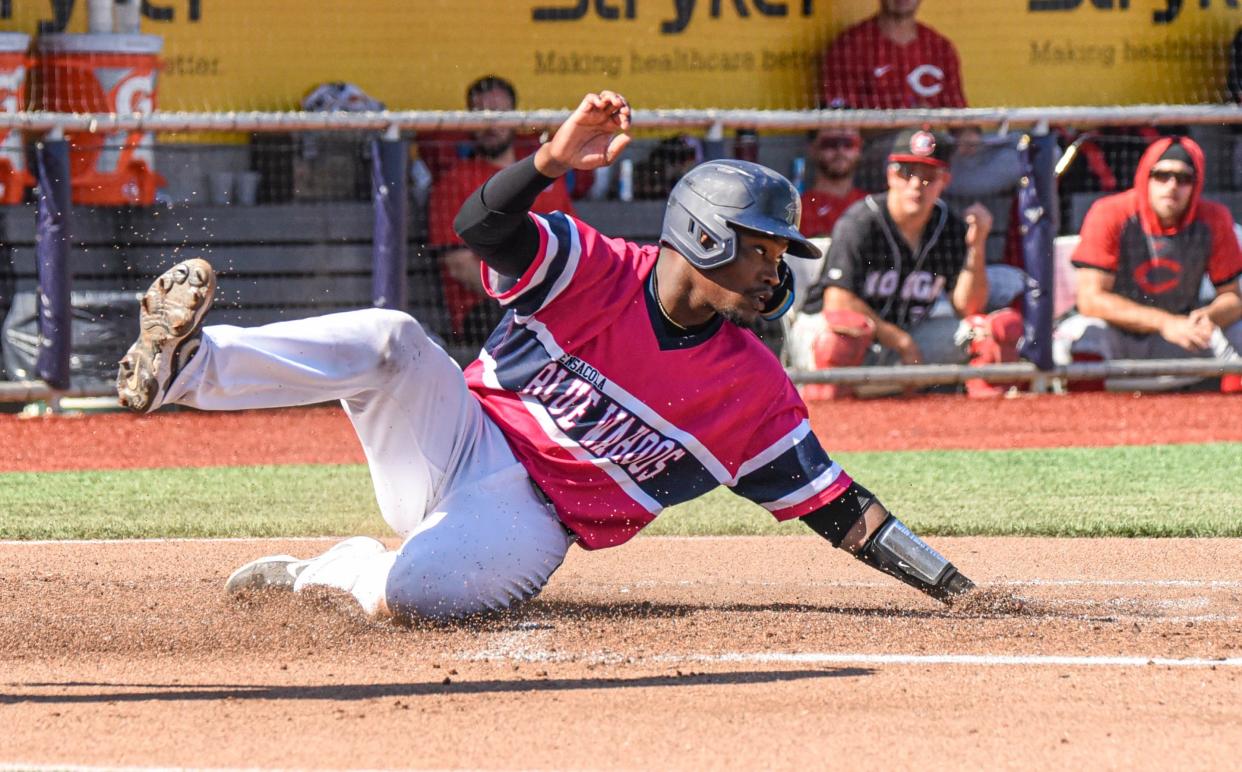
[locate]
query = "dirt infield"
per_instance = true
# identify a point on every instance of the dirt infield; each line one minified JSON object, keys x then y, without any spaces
{"x":731,"y":653}
{"x":668,"y":653}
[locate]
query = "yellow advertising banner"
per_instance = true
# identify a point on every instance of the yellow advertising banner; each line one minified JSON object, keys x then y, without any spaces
{"x":421,"y":54}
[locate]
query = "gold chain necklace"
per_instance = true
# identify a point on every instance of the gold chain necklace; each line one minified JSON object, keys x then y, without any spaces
{"x":655,"y":290}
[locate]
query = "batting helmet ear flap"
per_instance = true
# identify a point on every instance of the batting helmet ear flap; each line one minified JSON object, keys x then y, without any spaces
{"x":692,"y":234}
{"x":782,"y":296}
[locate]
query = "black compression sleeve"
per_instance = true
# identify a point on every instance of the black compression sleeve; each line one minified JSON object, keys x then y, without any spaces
{"x":493,"y":221}
{"x":837,"y":517}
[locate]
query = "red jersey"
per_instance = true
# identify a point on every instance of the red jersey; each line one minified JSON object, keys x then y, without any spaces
{"x":451,"y":190}
{"x":820,"y":210}
{"x":864,"y":70}
{"x":1155,"y":265}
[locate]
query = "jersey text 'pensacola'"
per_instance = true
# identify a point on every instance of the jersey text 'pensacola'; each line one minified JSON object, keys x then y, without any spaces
{"x":615,"y":420}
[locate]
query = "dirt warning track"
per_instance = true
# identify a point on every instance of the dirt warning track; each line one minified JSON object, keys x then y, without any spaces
{"x":323,"y":435}
{"x":666,"y":653}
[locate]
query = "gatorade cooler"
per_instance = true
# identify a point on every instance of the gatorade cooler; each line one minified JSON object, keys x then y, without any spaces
{"x":104,"y":73}
{"x":14,"y":178}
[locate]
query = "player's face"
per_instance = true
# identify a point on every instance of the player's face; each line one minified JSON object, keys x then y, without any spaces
{"x":836,"y":152}
{"x":1169,"y":189}
{"x":739,"y":290}
{"x":915,"y":188}
{"x":899,"y":8}
{"x":492,"y":142}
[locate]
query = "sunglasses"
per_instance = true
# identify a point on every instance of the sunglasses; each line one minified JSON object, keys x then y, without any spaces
{"x":926,"y":174}
{"x":1163,"y":175}
{"x":836,"y":143}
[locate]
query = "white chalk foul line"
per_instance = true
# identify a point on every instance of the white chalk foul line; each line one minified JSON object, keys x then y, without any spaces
{"x":1216,"y":584}
{"x":963,"y":659}
{"x":1193,"y":583}
{"x":20,"y":767}
{"x":162,"y":540}
{"x":524,"y":654}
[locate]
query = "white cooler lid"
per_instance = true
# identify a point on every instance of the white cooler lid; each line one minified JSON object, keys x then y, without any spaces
{"x":100,"y":43}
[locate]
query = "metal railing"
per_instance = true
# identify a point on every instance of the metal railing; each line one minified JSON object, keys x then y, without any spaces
{"x":916,"y":376}
{"x":1017,"y":372}
{"x":396,"y":120}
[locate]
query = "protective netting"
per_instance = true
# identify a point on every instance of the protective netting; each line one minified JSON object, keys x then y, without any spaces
{"x":288,"y":216}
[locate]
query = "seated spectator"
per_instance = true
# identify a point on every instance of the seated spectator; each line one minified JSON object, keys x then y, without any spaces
{"x":988,"y":169}
{"x":892,"y":256}
{"x":668,"y":161}
{"x":834,"y":154}
{"x":1141,"y":261}
{"x":889,"y":61}
{"x":472,"y":314}
{"x":1102,"y":160}
{"x":983,"y":166}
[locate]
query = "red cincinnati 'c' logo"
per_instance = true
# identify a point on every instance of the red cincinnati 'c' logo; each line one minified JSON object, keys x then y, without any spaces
{"x":1154,"y":285}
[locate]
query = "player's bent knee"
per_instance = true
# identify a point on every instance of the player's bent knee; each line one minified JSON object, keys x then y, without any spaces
{"x":399,"y":339}
{"x":994,"y":338}
{"x":1006,"y":326}
{"x":426,"y":589}
{"x":454,"y":596}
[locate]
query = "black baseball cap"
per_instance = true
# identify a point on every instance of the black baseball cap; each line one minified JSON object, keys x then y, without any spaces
{"x":921,"y":146}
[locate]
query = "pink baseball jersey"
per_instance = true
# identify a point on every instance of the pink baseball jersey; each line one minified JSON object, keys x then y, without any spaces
{"x":613,"y":418}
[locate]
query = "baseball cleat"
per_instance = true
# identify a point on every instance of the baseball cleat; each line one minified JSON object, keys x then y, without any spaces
{"x":274,"y":572}
{"x":169,"y":321}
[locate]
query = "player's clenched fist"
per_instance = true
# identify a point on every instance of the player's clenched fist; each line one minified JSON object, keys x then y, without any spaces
{"x":978,"y":224}
{"x":593,"y":136}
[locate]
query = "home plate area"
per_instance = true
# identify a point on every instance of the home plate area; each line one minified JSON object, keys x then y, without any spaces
{"x":667,"y":652}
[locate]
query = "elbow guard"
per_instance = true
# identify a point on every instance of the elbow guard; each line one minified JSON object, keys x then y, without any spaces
{"x":896,"y":551}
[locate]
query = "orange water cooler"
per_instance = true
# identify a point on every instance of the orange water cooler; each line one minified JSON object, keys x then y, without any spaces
{"x":104,"y":73}
{"x":14,"y":62}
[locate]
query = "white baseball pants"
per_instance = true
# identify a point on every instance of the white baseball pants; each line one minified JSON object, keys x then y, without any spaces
{"x":1078,"y":334}
{"x":477,"y":535}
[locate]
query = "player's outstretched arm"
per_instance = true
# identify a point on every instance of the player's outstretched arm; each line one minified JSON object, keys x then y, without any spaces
{"x":858,"y":523}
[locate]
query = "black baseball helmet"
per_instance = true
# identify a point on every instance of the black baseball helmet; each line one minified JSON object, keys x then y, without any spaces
{"x":715,"y":198}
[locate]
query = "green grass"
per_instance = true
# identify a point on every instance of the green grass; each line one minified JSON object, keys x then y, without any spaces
{"x":220,"y":501}
{"x":1161,"y":490}
{"x":1166,"y":490}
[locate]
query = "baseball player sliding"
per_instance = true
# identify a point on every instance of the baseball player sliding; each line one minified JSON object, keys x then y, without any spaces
{"x":619,"y":382}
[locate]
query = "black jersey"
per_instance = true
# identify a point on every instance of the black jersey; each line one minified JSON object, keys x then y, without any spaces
{"x":869,"y":257}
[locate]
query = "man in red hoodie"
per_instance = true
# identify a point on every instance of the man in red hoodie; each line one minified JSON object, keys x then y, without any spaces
{"x":1141,"y":262}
